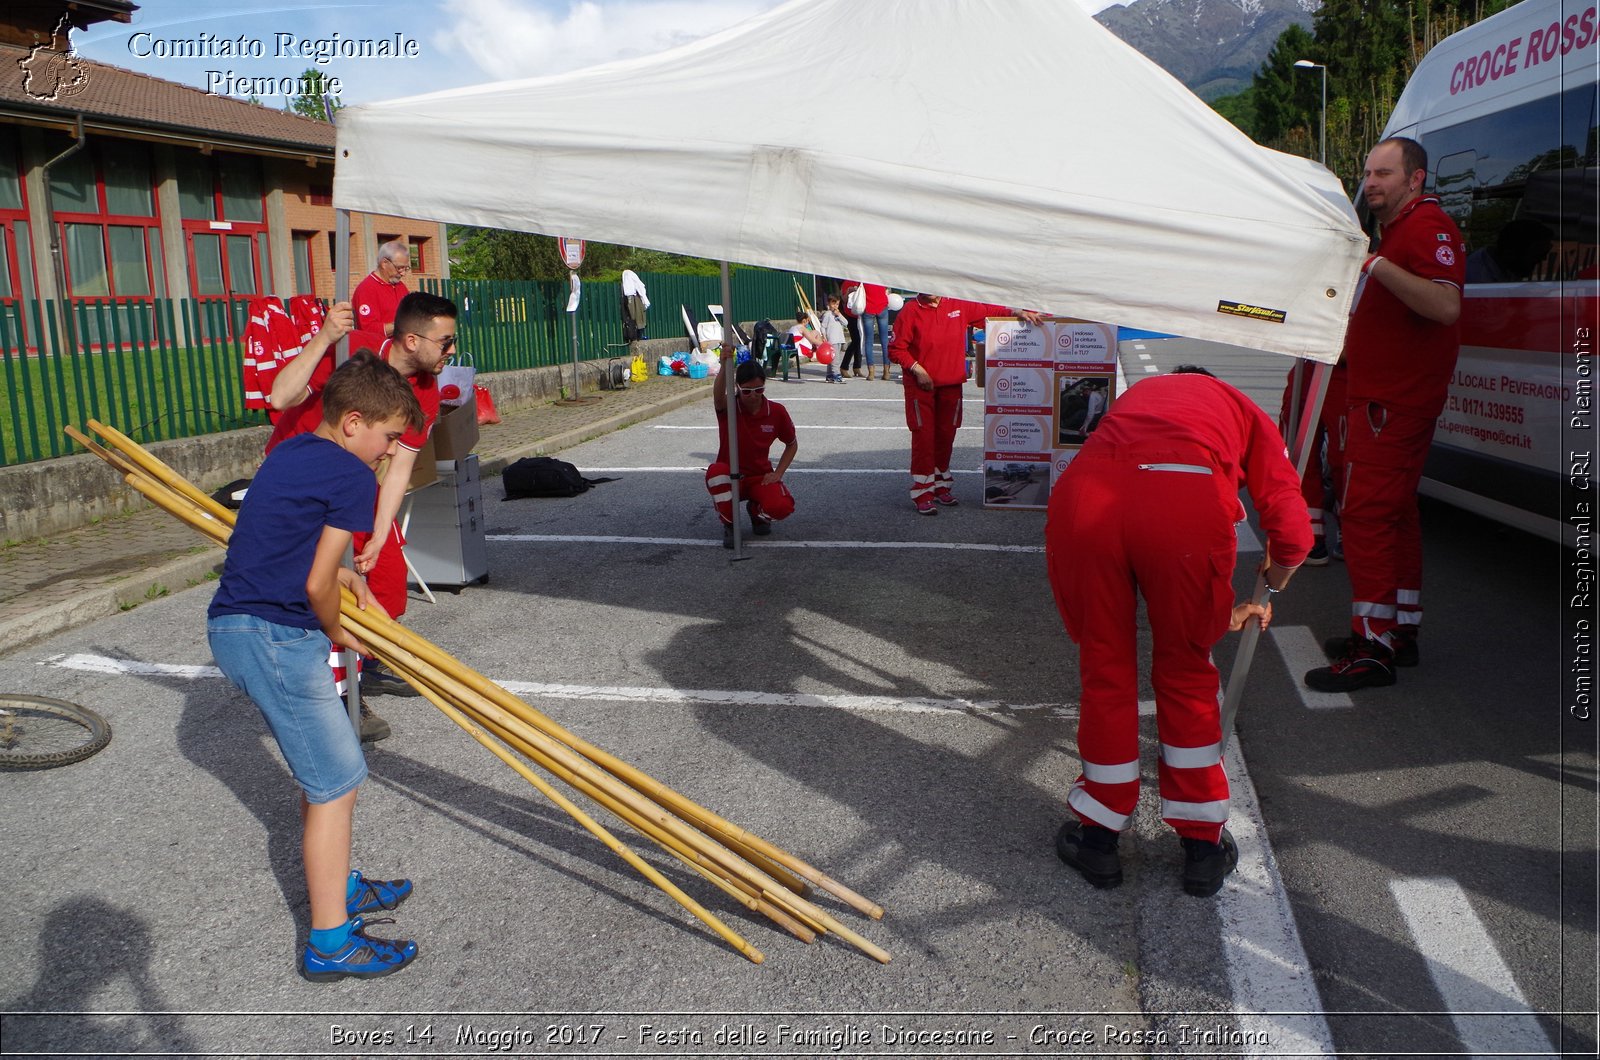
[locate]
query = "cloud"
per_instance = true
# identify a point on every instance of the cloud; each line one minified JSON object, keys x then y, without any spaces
{"x":530,"y":38}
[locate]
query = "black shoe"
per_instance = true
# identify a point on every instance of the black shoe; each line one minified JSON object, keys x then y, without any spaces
{"x":727,"y":535}
{"x":373,"y":728}
{"x":1318,"y":556}
{"x":1091,"y":850}
{"x":1364,"y":664}
{"x":1406,"y":652}
{"x":760,"y":528}
{"x":377,"y":680}
{"x":1206,"y":865}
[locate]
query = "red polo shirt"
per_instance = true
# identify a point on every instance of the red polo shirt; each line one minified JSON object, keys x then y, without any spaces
{"x":757,"y":432}
{"x":376,"y":302}
{"x":306,"y":415}
{"x":1396,"y":356}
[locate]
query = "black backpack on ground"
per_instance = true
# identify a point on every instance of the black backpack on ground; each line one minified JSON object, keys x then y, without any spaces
{"x":544,"y":476}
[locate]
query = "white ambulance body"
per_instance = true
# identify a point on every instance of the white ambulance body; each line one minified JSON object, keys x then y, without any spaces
{"x":1507,"y":112}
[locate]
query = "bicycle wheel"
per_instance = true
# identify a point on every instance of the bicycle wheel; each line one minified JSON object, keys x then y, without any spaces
{"x":40,"y":733}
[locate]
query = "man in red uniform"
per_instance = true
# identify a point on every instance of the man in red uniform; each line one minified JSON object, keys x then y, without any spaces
{"x":1400,"y":352}
{"x":930,"y":346}
{"x":761,"y":423}
{"x":1148,"y":506}
{"x":377,"y":298}
{"x":424,"y":334}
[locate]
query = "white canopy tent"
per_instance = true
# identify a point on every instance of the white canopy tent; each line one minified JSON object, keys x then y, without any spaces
{"x":1011,"y":151}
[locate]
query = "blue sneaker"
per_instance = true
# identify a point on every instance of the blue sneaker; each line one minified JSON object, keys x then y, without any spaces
{"x":363,"y":957}
{"x":373,"y":896}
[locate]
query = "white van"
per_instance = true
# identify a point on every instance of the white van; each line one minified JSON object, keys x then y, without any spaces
{"x":1507,"y":112}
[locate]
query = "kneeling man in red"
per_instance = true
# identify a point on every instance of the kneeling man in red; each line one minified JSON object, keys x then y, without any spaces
{"x":760,"y":424}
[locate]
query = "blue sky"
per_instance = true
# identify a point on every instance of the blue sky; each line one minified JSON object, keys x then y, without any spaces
{"x":458,"y":42}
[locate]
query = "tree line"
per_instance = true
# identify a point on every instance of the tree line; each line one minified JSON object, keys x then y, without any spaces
{"x":1370,"y":48}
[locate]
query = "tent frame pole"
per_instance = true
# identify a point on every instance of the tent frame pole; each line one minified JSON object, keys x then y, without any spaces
{"x":1302,"y":436}
{"x":341,"y":354}
{"x":730,"y":389}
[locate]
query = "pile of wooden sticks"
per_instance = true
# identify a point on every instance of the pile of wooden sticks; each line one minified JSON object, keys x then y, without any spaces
{"x":752,"y":871}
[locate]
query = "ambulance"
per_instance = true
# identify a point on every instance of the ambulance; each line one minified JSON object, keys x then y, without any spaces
{"x":1507,"y":112}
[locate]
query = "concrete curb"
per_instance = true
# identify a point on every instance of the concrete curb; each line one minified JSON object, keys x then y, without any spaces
{"x":102,"y":601}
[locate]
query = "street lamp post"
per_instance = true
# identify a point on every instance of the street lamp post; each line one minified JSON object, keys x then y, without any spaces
{"x":1308,"y":64}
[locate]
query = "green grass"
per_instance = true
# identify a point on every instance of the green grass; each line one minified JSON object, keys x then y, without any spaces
{"x":149,"y":394}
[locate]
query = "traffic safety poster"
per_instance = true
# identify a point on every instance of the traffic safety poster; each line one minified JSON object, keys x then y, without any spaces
{"x":1045,"y":388}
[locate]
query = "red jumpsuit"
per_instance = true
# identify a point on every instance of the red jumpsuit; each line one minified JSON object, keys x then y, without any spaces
{"x":387,"y":578}
{"x":757,"y":432}
{"x":936,"y":338}
{"x":1400,"y":364}
{"x":1148,"y":507}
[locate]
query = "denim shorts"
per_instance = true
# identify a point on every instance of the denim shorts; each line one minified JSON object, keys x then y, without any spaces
{"x":284,"y":669}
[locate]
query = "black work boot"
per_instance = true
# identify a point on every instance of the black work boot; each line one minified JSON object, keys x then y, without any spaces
{"x":1091,"y":850}
{"x":1206,"y":865}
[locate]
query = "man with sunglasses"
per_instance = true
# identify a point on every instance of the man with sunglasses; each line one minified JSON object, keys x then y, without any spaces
{"x":377,"y":298}
{"x":424,"y":336}
{"x":761,"y":423}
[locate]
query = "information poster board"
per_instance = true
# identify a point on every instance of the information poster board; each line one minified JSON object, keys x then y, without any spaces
{"x":1045,"y":389}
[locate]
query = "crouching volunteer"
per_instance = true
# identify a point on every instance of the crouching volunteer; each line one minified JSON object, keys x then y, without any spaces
{"x":760,"y":424}
{"x":930,"y":346}
{"x":1149,"y":505}
{"x":271,"y":625}
{"x":424,"y":334}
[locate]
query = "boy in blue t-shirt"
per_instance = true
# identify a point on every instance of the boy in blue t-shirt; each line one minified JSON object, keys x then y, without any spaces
{"x":270,"y":626}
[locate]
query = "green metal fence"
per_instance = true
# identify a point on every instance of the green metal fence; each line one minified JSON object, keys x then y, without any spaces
{"x":173,"y":368}
{"x":156,"y":369}
{"x":522,"y":324}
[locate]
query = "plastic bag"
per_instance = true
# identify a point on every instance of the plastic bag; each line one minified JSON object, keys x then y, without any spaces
{"x":487,"y":413}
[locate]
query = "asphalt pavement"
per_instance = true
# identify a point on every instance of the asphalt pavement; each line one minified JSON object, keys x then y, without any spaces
{"x":888,"y":695}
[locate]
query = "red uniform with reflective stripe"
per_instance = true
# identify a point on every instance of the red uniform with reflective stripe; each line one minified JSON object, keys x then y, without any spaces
{"x":757,"y":433}
{"x":936,"y":338}
{"x":1400,"y":364}
{"x":1148,"y":508}
{"x":375,"y":302}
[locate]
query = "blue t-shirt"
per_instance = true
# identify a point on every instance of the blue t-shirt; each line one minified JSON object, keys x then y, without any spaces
{"x":305,"y":484}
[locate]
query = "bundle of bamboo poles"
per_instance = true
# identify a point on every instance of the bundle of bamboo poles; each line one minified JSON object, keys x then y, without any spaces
{"x":747,"y":868}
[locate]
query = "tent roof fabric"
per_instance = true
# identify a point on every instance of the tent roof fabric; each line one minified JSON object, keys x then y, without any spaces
{"x":1010,"y":151}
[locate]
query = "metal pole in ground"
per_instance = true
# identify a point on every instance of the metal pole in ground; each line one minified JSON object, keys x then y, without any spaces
{"x":726,"y":379}
{"x":341,"y":354}
{"x":1300,"y":450}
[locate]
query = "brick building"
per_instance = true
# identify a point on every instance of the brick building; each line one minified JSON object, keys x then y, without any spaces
{"x":118,"y":186}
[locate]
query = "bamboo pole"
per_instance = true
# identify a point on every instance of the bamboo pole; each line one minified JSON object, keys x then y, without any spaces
{"x":159,"y":470}
{"x":747,"y":896}
{"x":593,"y":827}
{"x":658,"y":812}
{"x":585,"y":775}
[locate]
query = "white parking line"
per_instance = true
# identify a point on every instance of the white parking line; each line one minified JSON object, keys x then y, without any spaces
{"x":1489,"y":1012}
{"x":1300,"y":651}
{"x":100,"y":664}
{"x":1146,"y":357}
{"x":1274,"y":991}
{"x":1152,"y":369}
{"x":707,"y":542}
{"x":799,"y":427}
{"x":701,"y":470}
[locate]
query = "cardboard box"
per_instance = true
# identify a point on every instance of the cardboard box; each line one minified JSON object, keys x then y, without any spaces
{"x":456,"y":432}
